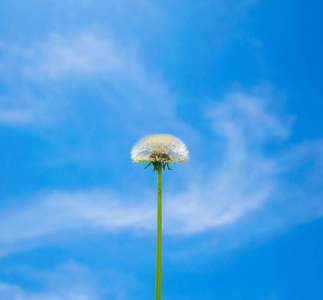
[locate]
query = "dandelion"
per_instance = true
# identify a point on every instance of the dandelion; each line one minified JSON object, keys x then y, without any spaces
{"x":159,"y":150}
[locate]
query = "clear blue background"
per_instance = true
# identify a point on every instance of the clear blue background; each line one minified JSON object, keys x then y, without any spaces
{"x":240,"y":82}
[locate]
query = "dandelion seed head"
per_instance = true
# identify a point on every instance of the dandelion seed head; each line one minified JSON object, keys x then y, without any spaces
{"x":164,"y":148}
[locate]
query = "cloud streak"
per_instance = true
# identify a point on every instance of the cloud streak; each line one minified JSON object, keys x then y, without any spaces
{"x":243,"y":184}
{"x":84,"y":59}
{"x":71,"y":281}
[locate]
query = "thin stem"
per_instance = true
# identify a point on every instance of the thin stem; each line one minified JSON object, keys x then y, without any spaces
{"x":159,"y":232}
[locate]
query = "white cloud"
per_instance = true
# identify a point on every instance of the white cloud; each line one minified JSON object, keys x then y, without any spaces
{"x":76,"y":55}
{"x":21,"y":108}
{"x":70,"y":281}
{"x":15,"y":116}
{"x":36,"y":77}
{"x":63,"y":211}
{"x":245,"y":182}
{"x":244,"y":179}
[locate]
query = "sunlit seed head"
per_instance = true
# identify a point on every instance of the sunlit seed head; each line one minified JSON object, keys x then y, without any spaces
{"x":164,"y":148}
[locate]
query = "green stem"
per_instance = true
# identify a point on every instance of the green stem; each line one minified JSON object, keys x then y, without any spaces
{"x":159,"y":232}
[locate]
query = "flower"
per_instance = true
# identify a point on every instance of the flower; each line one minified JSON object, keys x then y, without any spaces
{"x":162,"y":148}
{"x":159,"y":150}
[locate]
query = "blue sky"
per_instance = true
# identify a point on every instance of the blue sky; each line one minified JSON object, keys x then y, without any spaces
{"x":81,"y":81}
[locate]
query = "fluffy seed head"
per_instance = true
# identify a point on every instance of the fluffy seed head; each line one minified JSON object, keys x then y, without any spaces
{"x":164,"y":148}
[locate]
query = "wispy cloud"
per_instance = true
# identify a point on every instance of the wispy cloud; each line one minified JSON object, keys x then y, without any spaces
{"x":77,"y":55}
{"x":70,"y":281}
{"x":17,"y":116}
{"x":247,"y":180}
{"x":63,"y":211}
{"x":41,"y":69}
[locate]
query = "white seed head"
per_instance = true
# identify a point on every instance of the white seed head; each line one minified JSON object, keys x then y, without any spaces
{"x":163,"y":148}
